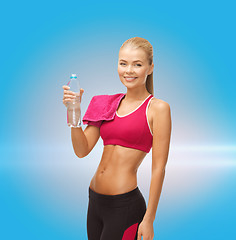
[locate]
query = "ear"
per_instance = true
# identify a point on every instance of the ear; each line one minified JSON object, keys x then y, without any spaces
{"x":151,"y":69}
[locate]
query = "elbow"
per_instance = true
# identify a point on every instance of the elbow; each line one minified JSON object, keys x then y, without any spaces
{"x":80,"y":155}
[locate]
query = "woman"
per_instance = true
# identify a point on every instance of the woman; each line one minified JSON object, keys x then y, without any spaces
{"x":117,"y":209}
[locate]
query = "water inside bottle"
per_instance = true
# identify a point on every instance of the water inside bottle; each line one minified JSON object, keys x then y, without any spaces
{"x":73,"y":107}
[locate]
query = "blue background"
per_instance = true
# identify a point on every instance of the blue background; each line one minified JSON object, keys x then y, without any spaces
{"x":43,"y":185}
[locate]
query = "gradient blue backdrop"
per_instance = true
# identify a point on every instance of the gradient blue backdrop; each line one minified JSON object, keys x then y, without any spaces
{"x":43,"y":185}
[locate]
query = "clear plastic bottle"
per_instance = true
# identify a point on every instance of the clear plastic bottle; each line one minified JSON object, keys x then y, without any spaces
{"x":73,"y":108}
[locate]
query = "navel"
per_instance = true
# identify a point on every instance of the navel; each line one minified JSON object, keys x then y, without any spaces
{"x":102,"y":171}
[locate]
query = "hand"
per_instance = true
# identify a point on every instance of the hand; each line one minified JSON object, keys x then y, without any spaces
{"x":69,"y":96}
{"x":145,"y":230}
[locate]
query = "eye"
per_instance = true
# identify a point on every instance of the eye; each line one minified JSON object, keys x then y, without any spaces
{"x":138,"y":64}
{"x":122,"y":63}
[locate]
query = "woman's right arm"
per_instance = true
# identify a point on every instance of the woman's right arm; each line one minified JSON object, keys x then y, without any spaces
{"x":82,"y":141}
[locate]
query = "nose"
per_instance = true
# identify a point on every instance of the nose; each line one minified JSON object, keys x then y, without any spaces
{"x":129,"y":69}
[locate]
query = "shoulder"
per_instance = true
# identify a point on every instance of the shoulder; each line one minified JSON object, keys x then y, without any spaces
{"x":159,"y":106}
{"x":105,"y":102}
{"x":107,"y":96}
{"x":161,"y":115}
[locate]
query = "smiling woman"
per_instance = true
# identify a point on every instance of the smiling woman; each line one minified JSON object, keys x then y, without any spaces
{"x":134,"y":65}
{"x":130,"y":125}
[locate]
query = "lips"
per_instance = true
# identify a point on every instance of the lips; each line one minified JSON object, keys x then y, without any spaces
{"x":129,"y":79}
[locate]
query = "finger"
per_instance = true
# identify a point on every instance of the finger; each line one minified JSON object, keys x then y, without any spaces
{"x":139,"y":236}
{"x":69,"y":92}
{"x":69,"y":96}
{"x":81,"y":93}
{"x":65,"y":87}
{"x":67,"y":100}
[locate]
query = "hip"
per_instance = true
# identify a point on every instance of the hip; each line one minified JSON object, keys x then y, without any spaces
{"x":115,"y":216}
{"x":125,"y":199}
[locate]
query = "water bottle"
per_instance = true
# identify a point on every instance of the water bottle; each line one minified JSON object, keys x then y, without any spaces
{"x":73,"y":108}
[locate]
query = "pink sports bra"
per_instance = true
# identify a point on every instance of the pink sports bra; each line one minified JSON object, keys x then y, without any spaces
{"x":131,"y":130}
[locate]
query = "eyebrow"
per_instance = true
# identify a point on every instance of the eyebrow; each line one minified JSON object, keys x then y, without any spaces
{"x":133,"y":61}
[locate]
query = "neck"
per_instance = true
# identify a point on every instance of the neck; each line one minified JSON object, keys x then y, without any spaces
{"x":136,"y":94}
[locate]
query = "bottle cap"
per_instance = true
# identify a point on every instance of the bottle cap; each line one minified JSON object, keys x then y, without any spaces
{"x":73,"y":75}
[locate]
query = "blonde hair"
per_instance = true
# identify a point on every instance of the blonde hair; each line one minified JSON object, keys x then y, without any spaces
{"x":138,"y":42}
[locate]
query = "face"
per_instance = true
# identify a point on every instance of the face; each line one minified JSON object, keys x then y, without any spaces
{"x":133,"y":67}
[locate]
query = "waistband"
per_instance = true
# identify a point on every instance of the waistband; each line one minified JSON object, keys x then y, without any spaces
{"x":115,"y":200}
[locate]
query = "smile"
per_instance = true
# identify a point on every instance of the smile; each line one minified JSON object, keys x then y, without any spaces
{"x":129,"y":79}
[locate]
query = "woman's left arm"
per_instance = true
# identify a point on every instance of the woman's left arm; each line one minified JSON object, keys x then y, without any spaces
{"x":160,"y":151}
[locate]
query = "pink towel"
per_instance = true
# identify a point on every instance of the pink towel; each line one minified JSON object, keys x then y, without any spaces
{"x":102,"y":107}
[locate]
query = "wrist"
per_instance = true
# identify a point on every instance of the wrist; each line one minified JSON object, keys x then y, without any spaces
{"x":149,"y":219}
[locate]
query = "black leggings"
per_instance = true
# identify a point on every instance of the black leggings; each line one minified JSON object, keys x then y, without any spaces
{"x":115,"y":217}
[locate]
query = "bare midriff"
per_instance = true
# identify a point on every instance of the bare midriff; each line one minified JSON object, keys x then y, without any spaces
{"x":117,"y":170}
